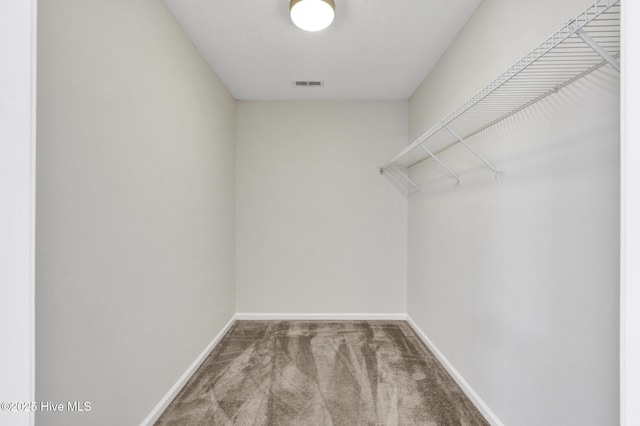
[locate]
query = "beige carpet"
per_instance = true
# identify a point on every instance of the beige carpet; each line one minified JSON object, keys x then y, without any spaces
{"x":321,"y":373}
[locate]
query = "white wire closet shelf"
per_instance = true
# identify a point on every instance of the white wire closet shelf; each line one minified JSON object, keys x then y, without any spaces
{"x":587,"y":42}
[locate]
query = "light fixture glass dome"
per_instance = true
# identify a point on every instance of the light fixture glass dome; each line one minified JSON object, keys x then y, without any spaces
{"x":312,"y":15}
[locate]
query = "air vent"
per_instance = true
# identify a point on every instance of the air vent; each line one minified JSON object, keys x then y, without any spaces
{"x":307,"y":83}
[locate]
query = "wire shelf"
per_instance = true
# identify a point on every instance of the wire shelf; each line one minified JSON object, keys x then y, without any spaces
{"x":587,"y":42}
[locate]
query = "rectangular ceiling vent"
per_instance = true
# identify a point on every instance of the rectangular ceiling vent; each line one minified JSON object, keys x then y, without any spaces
{"x":307,"y":83}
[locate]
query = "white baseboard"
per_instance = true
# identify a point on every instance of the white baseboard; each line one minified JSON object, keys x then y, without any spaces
{"x":326,"y":317}
{"x":154,"y":415}
{"x":488,"y":414}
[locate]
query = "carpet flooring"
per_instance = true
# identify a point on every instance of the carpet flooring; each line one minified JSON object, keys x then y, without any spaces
{"x":320,"y":373}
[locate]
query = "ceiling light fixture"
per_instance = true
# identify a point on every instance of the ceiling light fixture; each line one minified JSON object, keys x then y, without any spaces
{"x":312,"y":15}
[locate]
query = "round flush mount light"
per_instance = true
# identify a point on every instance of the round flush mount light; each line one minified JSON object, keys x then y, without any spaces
{"x":312,"y":15}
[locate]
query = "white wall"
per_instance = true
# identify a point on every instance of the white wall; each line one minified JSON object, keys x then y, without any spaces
{"x":516,"y":280}
{"x":135,"y":207}
{"x":17,"y":205}
{"x":319,"y":230}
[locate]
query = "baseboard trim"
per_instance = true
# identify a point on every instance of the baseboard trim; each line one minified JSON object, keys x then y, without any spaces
{"x":157,"y":411}
{"x":320,"y":316}
{"x":488,"y":414}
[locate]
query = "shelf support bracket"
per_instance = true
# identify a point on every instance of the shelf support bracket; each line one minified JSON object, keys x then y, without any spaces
{"x":599,"y":50}
{"x":474,"y":152}
{"x":406,"y":178}
{"x":441,"y":163}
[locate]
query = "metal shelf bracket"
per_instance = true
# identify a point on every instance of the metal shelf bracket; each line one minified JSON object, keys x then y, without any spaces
{"x":442,"y":164}
{"x":406,"y":178}
{"x":599,"y":50}
{"x":474,"y":152}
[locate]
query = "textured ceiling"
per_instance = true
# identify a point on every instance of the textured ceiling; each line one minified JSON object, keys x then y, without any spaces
{"x":374,"y":50}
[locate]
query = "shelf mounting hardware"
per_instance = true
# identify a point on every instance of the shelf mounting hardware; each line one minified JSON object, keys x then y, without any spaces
{"x":488,"y":164}
{"x":442,"y":164}
{"x":599,"y":50}
{"x":406,"y":178}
